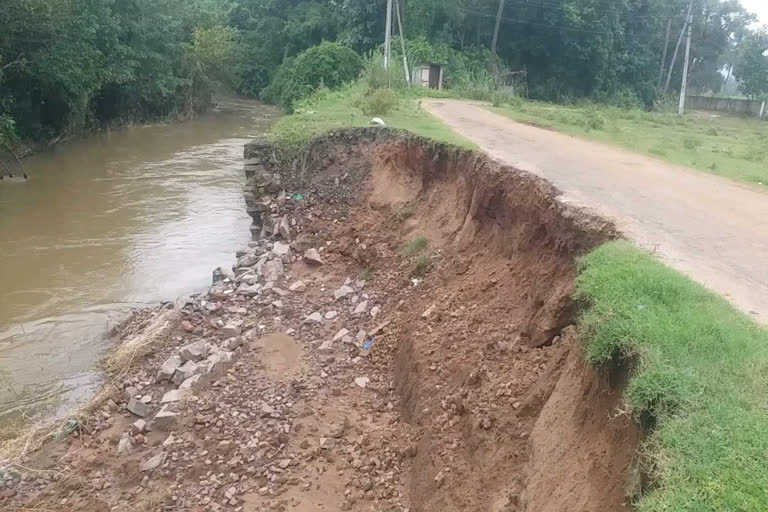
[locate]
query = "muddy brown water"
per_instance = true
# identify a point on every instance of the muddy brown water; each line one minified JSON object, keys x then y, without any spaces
{"x":107,"y":224}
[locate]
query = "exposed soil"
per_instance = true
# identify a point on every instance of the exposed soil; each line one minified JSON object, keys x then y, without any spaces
{"x":466,"y":391}
{"x":711,"y":228}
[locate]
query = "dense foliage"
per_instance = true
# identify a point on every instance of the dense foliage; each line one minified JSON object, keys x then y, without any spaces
{"x":327,"y":64}
{"x":69,"y":64}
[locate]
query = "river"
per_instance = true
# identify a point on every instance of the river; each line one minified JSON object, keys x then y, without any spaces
{"x":106,"y":224}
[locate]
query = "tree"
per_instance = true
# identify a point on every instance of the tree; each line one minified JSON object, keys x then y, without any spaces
{"x":751,"y":67}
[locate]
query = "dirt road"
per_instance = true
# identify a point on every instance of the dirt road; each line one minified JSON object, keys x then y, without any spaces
{"x":713,"y":229}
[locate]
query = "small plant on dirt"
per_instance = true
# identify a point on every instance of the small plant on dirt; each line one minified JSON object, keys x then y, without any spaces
{"x":366,"y":275}
{"x":415,"y":246}
{"x":421,"y":265}
{"x":405,"y":213}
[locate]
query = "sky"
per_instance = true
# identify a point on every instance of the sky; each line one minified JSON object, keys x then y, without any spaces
{"x":759,"y":7}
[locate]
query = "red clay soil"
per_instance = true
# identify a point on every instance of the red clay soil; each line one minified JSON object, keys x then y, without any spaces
{"x":477,"y":400}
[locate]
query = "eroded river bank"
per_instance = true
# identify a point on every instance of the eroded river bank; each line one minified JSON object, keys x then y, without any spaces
{"x":398,"y":336}
{"x":106,"y":224}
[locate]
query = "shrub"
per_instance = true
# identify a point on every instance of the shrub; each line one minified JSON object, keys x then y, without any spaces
{"x":379,"y":102}
{"x":328,"y":64}
{"x":415,"y":246}
{"x":421,"y":265}
{"x":593,"y":120}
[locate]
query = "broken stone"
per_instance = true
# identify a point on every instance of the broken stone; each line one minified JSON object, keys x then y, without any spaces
{"x":361,"y":308}
{"x":218,"y":358}
{"x":315,"y":317}
{"x":248,"y":260}
{"x":375,"y":311}
{"x":153,"y":463}
{"x":193,"y":352}
{"x":138,"y":407}
{"x":186,"y":371}
{"x":249,"y":290}
{"x":339,"y":335}
{"x":281,"y":249}
{"x":331,"y":315}
{"x":231,"y":344}
{"x":343,"y":292}
{"x":439,"y":479}
{"x":190,"y":382}
{"x":273,"y":270}
{"x":168,"y":369}
{"x":362,"y":381}
{"x":267,"y":410}
{"x":313,"y":256}
{"x":175,"y":395}
{"x":284,"y":228}
{"x":232,"y":329}
{"x":166,"y":420}
{"x":361,"y":336}
{"x":298,"y":286}
{"x":125,"y":444}
{"x":138,"y":427}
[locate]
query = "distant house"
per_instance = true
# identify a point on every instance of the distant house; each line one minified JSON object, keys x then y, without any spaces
{"x":428,"y":76}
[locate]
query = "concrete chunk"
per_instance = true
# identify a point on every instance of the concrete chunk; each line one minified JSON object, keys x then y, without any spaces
{"x":313,"y":256}
{"x":193,"y":351}
{"x":153,"y":463}
{"x":232,"y":328}
{"x":168,"y":369}
{"x":138,"y":408}
{"x":166,"y":420}
{"x":175,"y":395}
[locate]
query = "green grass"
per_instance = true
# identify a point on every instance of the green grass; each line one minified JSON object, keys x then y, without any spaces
{"x":415,"y":246}
{"x":420,"y":266}
{"x":332,"y":110}
{"x":734,"y":147}
{"x":700,"y":379}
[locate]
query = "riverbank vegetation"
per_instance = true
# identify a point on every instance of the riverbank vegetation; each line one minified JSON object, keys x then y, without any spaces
{"x":354,"y":105}
{"x":68,"y":65}
{"x":727,"y":145}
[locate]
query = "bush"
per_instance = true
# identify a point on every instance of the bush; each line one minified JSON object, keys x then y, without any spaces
{"x":593,"y":120}
{"x":379,"y":102}
{"x":328,"y":64}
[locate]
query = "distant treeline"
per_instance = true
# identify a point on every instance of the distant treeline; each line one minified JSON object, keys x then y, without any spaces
{"x":66,"y":65}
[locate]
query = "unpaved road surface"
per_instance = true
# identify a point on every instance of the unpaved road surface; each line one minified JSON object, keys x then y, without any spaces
{"x":713,"y":229}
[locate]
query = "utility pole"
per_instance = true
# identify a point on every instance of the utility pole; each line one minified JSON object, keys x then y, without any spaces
{"x":498,"y":25}
{"x":677,"y":49}
{"x":388,"y":36}
{"x":684,"y":87}
{"x":664,"y":55}
{"x":402,"y":44}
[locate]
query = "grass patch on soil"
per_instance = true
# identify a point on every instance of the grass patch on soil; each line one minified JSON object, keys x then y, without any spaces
{"x":734,"y":147}
{"x":415,"y":246}
{"x":327,"y":110}
{"x":699,"y":381}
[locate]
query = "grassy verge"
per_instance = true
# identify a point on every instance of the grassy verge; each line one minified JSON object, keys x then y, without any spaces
{"x":734,"y":147}
{"x":331,"y":110}
{"x":700,"y":379}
